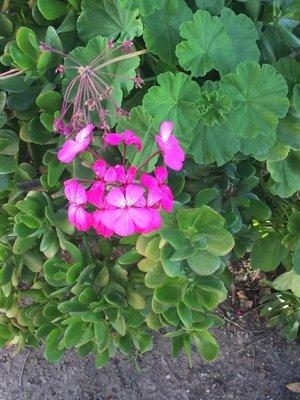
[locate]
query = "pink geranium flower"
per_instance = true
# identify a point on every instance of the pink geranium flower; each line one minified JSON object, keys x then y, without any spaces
{"x":103,"y":172}
{"x":128,"y":213}
{"x":123,"y":176}
{"x":127,"y":138}
{"x":77,"y":197}
{"x":157,"y":184}
{"x":72,"y":147}
{"x":95,"y":196}
{"x":170,"y":147}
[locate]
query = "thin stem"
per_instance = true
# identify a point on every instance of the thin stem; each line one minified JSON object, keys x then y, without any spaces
{"x":124,"y":155}
{"x":120,"y":58}
{"x":156,"y":153}
{"x":8,"y":74}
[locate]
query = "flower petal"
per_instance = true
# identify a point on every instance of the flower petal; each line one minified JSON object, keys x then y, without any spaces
{"x":161,"y":174}
{"x":116,"y":198}
{"x":84,"y":136}
{"x":148,"y":180}
{"x":99,"y":168}
{"x":80,"y":218}
{"x":166,"y":128}
{"x":99,"y":227}
{"x":95,"y":194}
{"x":69,"y":151}
{"x":75,"y":192}
{"x":134,"y":194}
{"x":114,"y":139}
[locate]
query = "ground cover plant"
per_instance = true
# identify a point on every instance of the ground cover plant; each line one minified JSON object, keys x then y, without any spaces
{"x":145,"y":148}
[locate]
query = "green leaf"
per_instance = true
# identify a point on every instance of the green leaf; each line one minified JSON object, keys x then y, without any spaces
{"x":292,"y":239}
{"x":7,"y":164}
{"x":169,"y":292}
{"x":177,"y":95}
{"x":216,"y":143}
{"x":207,"y":44}
{"x":101,"y":359}
{"x":185,"y":314}
{"x":73,"y":334}
{"x":268,"y":253}
{"x":145,"y":7}
{"x":204,"y":263}
{"x":52,"y":352}
{"x":101,"y":334}
{"x":205,"y":196}
{"x":206,"y":345}
{"x":9,"y":142}
{"x":296,"y":261}
{"x":107,"y":18}
{"x":143,"y":126}
{"x":27,"y":42}
{"x":214,"y":7}
{"x":286,"y":174}
{"x":161,"y":33}
{"x":258,"y":96}
{"x":49,"y":101}
{"x":288,"y":281}
{"x":52,"y":9}
{"x":243,"y":35}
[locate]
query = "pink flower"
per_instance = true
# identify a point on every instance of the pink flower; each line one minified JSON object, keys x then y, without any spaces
{"x":127,"y":138}
{"x":170,"y":147}
{"x":158,"y":187}
{"x":72,"y":147}
{"x":103,"y":173}
{"x":123,"y":176}
{"x":77,"y":197}
{"x":128,"y":214}
{"x":95,"y":196}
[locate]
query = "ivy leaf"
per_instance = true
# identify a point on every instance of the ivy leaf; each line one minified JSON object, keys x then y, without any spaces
{"x":259,"y":146}
{"x":214,"y":143}
{"x":259,"y":98}
{"x":161,"y":33}
{"x":146,"y":7}
{"x":107,"y":18}
{"x":286,"y":174}
{"x":143,"y":126}
{"x":214,"y":7}
{"x":207,"y":44}
{"x":174,"y":99}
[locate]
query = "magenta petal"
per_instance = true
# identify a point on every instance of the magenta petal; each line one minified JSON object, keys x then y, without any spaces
{"x":148,"y":180}
{"x":134,"y":194}
{"x":114,"y":139}
{"x":119,"y":221}
{"x":120,"y":173}
{"x":80,"y":218}
{"x":95,"y":194}
{"x":161,"y":174}
{"x":116,"y":198}
{"x":154,"y":196}
{"x":84,"y":135}
{"x":99,"y":168}
{"x":131,"y":174}
{"x":110,"y":175}
{"x":98,"y":225}
{"x":172,"y":162}
{"x":75,"y":192}
{"x":166,"y":129}
{"x":143,"y":218}
{"x":69,"y":151}
{"x":131,"y":139}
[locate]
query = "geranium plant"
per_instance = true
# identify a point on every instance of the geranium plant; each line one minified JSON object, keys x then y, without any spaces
{"x":144,"y":147}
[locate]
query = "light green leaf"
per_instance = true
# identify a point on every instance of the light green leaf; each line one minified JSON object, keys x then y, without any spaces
{"x":286,"y":174}
{"x":204,"y":263}
{"x":107,"y":18}
{"x":296,"y":261}
{"x":214,"y":7}
{"x":288,"y":281}
{"x":268,"y":253}
{"x":145,"y":7}
{"x":207,"y":44}
{"x":259,"y":98}
{"x":206,"y":345}
{"x":216,"y":143}
{"x":51,"y":9}
{"x":161,"y":33}
{"x":174,"y":99}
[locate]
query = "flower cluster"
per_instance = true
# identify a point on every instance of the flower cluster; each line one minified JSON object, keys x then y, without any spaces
{"x":121,"y":200}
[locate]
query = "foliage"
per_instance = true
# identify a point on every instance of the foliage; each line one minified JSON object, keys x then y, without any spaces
{"x":227,"y":74}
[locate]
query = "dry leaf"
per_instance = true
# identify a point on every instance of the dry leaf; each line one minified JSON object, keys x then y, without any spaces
{"x":293,"y":387}
{"x":241,"y":295}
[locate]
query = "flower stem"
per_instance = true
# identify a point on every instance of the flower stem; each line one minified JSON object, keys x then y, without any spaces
{"x":156,"y":153}
{"x":120,"y":58}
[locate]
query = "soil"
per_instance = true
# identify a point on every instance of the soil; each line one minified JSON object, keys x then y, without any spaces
{"x":254,"y":364}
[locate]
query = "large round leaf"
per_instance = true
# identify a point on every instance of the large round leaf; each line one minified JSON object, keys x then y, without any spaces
{"x":259,"y":98}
